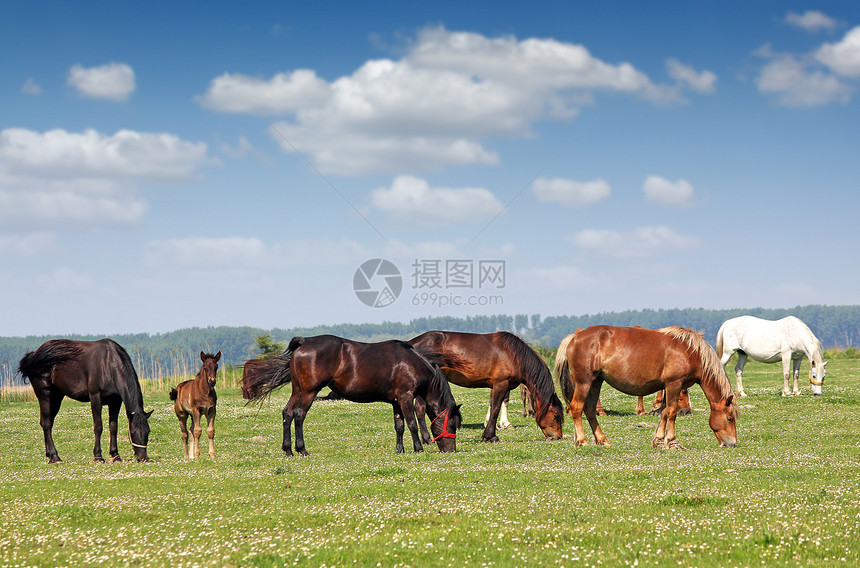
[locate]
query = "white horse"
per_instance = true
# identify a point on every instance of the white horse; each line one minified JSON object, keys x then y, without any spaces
{"x":786,"y":340}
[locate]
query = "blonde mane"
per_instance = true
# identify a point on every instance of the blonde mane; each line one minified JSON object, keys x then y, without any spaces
{"x":712,"y":371}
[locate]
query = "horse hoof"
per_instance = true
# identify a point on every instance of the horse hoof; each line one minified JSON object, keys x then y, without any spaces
{"x":490,"y":440}
{"x":52,"y":461}
{"x":507,"y":426}
{"x":98,"y":460}
{"x":675,"y":446}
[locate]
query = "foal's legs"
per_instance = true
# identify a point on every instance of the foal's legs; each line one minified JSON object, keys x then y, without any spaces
{"x":210,"y":430}
{"x":196,"y":431}
{"x":183,"y":430}
{"x":113,"y":425}
{"x":739,"y":372}
{"x":96,"y":407}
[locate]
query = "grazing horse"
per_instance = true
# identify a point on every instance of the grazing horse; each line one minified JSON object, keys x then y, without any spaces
{"x":641,"y":361}
{"x":390,"y":371}
{"x":786,"y":340}
{"x":197,"y":398}
{"x":98,"y":372}
{"x":499,"y":361}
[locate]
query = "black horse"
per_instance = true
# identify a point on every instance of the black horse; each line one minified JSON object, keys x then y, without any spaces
{"x":390,"y":371}
{"x":98,"y":372}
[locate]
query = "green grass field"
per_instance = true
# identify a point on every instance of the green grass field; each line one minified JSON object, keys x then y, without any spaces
{"x":789,"y":494}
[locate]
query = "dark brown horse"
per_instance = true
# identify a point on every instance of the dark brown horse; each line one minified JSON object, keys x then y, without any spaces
{"x":499,"y":361}
{"x":197,"y":398}
{"x":98,"y":372}
{"x":639,"y":362}
{"x":390,"y":371}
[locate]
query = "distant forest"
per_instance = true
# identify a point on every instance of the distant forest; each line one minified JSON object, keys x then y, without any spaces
{"x":177,"y":352}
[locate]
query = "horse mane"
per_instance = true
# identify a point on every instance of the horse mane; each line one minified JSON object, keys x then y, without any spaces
{"x":438,"y":382}
{"x":534,"y":372}
{"x":713,"y":372}
{"x":47,"y":356}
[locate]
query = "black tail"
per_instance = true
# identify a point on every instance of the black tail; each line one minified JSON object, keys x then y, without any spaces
{"x":40,"y":362}
{"x":266,"y":375}
{"x":173,"y":394}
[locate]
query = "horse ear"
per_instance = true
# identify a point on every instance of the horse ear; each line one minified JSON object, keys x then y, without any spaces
{"x":729,"y":400}
{"x":825,"y":364}
{"x":202,"y":356}
{"x":217,"y":356}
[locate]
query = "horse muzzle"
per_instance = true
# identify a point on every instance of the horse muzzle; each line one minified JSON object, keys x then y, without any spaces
{"x":728,"y":443}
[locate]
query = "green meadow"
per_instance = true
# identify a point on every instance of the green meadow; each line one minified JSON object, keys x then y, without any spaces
{"x":788,"y":495}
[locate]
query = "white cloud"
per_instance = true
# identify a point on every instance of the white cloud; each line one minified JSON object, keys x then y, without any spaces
{"x":811,"y":20}
{"x":242,"y":149}
{"x":569,"y":192}
{"x":433,"y":107}
{"x":87,"y":179}
{"x":642,"y":242}
{"x":413,"y":198}
{"x":843,"y":57}
{"x":662,"y":191}
{"x":30,"y":87}
{"x":794,"y":84}
{"x":244,"y":255}
{"x":29,"y":245}
{"x":113,"y":81}
{"x":700,"y":81}
{"x":65,"y":279}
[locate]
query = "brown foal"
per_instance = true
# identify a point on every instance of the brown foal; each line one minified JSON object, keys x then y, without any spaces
{"x":197,"y":398}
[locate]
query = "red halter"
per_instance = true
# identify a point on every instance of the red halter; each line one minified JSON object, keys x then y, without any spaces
{"x":445,"y":433}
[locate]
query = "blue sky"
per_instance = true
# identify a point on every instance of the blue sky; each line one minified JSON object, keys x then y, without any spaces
{"x":169,"y":166}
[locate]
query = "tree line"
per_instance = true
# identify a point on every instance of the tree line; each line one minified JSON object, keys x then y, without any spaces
{"x":177,"y":353}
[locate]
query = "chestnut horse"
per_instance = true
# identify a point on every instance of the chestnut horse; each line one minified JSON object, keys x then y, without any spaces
{"x":641,"y":361}
{"x":499,"y":361}
{"x":98,"y":372}
{"x":390,"y":371}
{"x":197,"y":398}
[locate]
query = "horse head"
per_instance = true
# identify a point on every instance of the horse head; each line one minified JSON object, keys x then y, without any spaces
{"x":210,"y":367}
{"x":817,"y":372}
{"x":444,"y":428}
{"x":550,"y":418}
{"x":138,"y":429}
{"x":723,"y":421}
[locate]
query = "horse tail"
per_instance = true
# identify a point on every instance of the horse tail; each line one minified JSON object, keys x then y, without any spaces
{"x":435,"y":360}
{"x":174,"y":394}
{"x":562,"y":369}
{"x":266,"y":375}
{"x":430,"y":347}
{"x":51,"y":353}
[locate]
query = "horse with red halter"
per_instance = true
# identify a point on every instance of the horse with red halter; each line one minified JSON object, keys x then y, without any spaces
{"x":499,"y":361}
{"x":390,"y":371}
{"x":196,"y":398}
{"x":638,"y":362}
{"x":98,"y":372}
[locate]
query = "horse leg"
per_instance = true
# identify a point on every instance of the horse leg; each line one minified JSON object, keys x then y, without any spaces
{"x":504,"y":422}
{"x":398,"y":427}
{"x":659,"y":404}
{"x":591,"y":413}
{"x":183,"y":430}
{"x":407,"y":410}
{"x":420,"y":410}
{"x":577,"y":403}
{"x":684,"y":406}
{"x":196,"y":432}
{"x":671,"y":412}
{"x":640,"y":406}
{"x":96,"y":407}
{"x":113,"y":425}
{"x":786,"y":372}
{"x":210,"y":430}
{"x":49,"y":405}
{"x":796,"y":389}
{"x":299,"y":413}
{"x":600,"y":411}
{"x":497,"y":395}
{"x":528,"y":403}
{"x":739,"y":372}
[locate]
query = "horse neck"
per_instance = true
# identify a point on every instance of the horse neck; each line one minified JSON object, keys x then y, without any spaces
{"x":439,"y":398}
{"x":713,"y":390}
{"x":201,"y":381}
